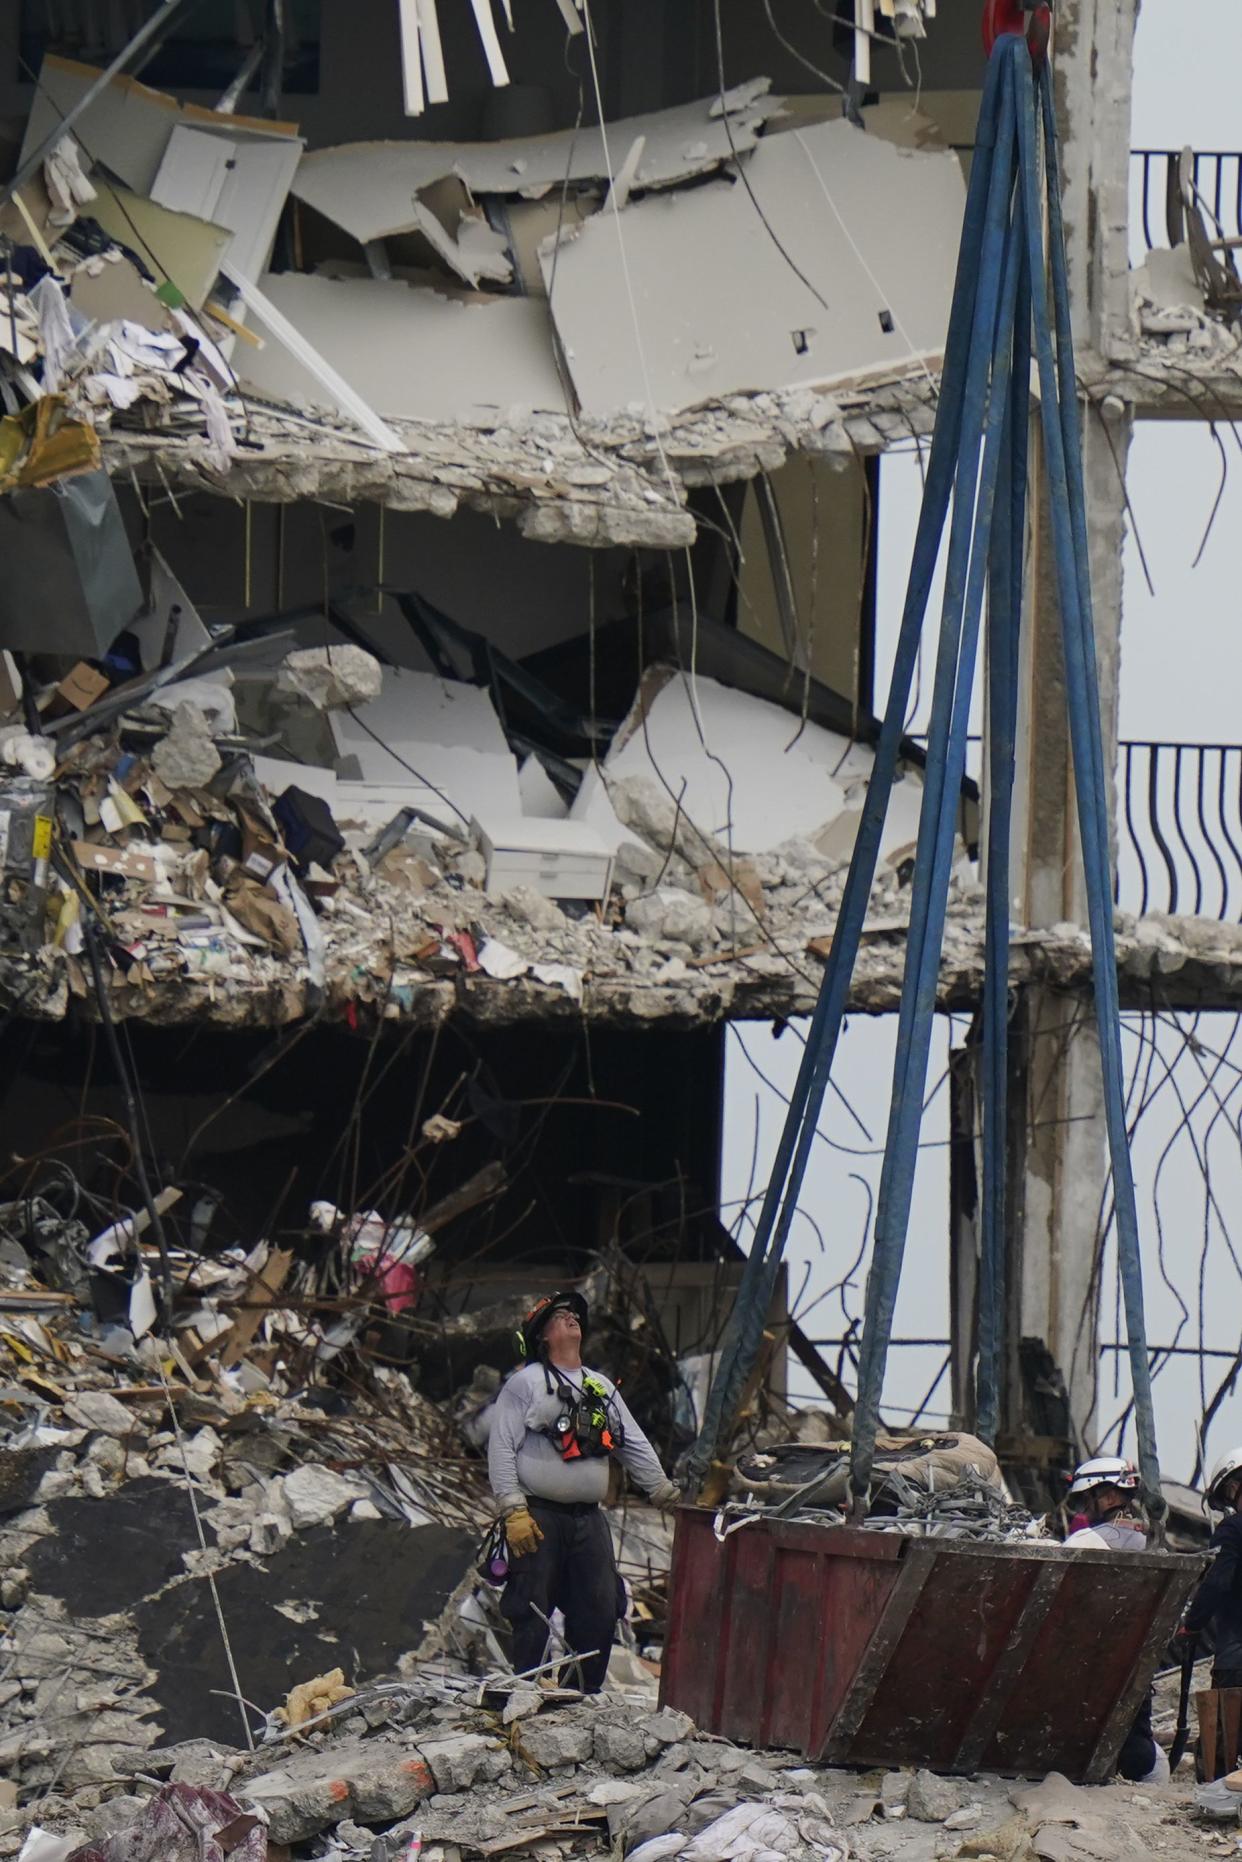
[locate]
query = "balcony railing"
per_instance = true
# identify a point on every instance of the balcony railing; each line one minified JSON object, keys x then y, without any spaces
{"x":1179,"y":828}
{"x":1156,"y":199}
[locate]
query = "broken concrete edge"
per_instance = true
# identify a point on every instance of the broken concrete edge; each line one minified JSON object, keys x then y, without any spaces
{"x":1156,"y":383}
{"x":597,"y":484}
{"x":1170,"y":959}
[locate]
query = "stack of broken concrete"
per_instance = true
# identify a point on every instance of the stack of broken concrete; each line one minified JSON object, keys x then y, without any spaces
{"x":416,"y":1772}
{"x":404,"y":862}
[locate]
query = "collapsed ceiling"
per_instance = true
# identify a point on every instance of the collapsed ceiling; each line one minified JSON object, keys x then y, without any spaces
{"x":570,"y":330}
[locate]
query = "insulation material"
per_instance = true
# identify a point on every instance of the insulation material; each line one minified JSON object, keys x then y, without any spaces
{"x":367,"y":188}
{"x":238,"y":184}
{"x":128,"y":126}
{"x":425,"y":743}
{"x":750,"y":779}
{"x":872,"y":229}
{"x":411,"y":354}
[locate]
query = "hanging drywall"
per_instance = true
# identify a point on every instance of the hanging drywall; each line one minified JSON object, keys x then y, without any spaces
{"x":429,"y":743}
{"x":367,"y":187}
{"x":411,"y":354}
{"x":744,"y":772}
{"x":687,"y":296}
{"x":128,"y":125}
{"x":177,"y":248}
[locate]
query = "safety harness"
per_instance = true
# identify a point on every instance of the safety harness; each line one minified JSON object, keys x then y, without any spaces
{"x":588,"y":1424}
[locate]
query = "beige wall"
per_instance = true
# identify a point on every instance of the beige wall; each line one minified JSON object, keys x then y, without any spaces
{"x":823,"y":511}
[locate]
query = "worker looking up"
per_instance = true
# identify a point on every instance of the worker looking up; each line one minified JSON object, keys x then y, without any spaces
{"x":1217,"y":1604}
{"x":1105,"y":1490}
{"x":556,"y":1427}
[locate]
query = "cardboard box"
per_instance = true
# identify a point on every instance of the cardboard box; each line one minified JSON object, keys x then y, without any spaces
{"x":77,"y":691}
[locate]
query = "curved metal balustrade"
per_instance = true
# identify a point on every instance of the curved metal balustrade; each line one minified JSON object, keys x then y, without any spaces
{"x":1156,"y":200}
{"x":1179,"y":828}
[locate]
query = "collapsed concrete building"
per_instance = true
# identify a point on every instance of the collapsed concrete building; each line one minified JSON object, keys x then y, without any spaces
{"x":504,"y":492}
{"x":457,"y":450}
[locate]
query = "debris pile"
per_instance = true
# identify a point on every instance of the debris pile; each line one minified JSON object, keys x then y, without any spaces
{"x":230,"y":310}
{"x":160,"y":825}
{"x":419,"y":1770}
{"x":943,"y":1487}
{"x":394,"y":861}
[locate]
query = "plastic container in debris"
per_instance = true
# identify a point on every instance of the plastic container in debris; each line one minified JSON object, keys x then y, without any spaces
{"x":858,"y":1647}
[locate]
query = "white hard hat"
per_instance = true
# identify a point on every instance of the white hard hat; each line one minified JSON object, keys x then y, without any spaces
{"x":1086,"y":1539}
{"x":1107,"y":1471}
{"x":1229,"y":1463}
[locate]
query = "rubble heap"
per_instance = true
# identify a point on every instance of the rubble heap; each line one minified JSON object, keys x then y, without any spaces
{"x":419,"y":1771}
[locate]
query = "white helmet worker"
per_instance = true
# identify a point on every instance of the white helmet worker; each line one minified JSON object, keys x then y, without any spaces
{"x":1227,"y":1468}
{"x":1109,"y":1471}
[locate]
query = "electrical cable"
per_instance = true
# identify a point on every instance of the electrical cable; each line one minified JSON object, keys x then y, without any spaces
{"x":92,"y":933}
{"x":207,"y":1558}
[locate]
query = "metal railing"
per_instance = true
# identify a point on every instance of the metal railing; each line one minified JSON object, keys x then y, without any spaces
{"x":1179,"y":828}
{"x":1156,"y":200}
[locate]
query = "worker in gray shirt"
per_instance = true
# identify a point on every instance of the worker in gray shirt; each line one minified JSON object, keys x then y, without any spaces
{"x":555,"y":1428}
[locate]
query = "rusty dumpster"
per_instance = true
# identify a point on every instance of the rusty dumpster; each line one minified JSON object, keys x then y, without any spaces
{"x":858,"y":1647}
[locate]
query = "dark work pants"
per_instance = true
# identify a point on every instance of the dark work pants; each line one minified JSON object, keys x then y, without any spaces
{"x":572,"y":1570}
{"x":1138,"y":1754}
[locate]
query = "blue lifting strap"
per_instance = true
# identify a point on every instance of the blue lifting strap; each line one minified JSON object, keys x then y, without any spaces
{"x":979,"y":467}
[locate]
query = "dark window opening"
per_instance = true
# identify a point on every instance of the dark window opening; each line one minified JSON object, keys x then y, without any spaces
{"x":203,"y":52}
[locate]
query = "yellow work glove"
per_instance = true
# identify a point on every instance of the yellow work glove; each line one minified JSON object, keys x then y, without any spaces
{"x":521,"y":1532}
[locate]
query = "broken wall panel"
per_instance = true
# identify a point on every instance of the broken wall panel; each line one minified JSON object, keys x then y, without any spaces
{"x":428,"y":743}
{"x":128,"y":126}
{"x":748,"y":775}
{"x":368,"y":188}
{"x":819,"y":512}
{"x":717,"y":307}
{"x":177,"y":248}
{"x":412,"y":354}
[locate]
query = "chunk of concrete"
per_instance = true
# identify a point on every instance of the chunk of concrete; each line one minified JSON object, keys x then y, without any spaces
{"x":645,"y":1817}
{"x":100,"y":1412}
{"x":531,"y":908}
{"x":931,"y":1799}
{"x":316,"y":1496}
{"x":187,"y":757}
{"x":329,"y":677}
{"x":373,"y":1782}
{"x":620,"y":1747}
{"x":895,"y":1793}
{"x":667,"y":1727}
{"x":671,"y":916}
{"x":464,"y":1760}
{"x":651,"y":812}
{"x":553,"y":1742}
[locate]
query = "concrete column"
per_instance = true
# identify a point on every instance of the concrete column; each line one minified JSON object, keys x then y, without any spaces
{"x":1060,"y":1167}
{"x":1093,"y":54}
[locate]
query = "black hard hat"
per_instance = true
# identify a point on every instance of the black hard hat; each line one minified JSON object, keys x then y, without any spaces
{"x":531,"y":1329}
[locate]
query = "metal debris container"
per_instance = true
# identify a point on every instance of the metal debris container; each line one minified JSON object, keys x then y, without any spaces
{"x":859,"y":1647}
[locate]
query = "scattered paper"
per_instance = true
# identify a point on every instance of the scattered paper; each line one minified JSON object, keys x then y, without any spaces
{"x":499,"y":961}
{"x":561,"y":975}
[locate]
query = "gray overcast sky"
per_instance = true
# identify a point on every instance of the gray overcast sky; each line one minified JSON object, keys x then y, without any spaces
{"x":1188,"y":55}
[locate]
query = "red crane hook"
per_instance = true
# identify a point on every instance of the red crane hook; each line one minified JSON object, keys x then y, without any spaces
{"x":1034,"y":23}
